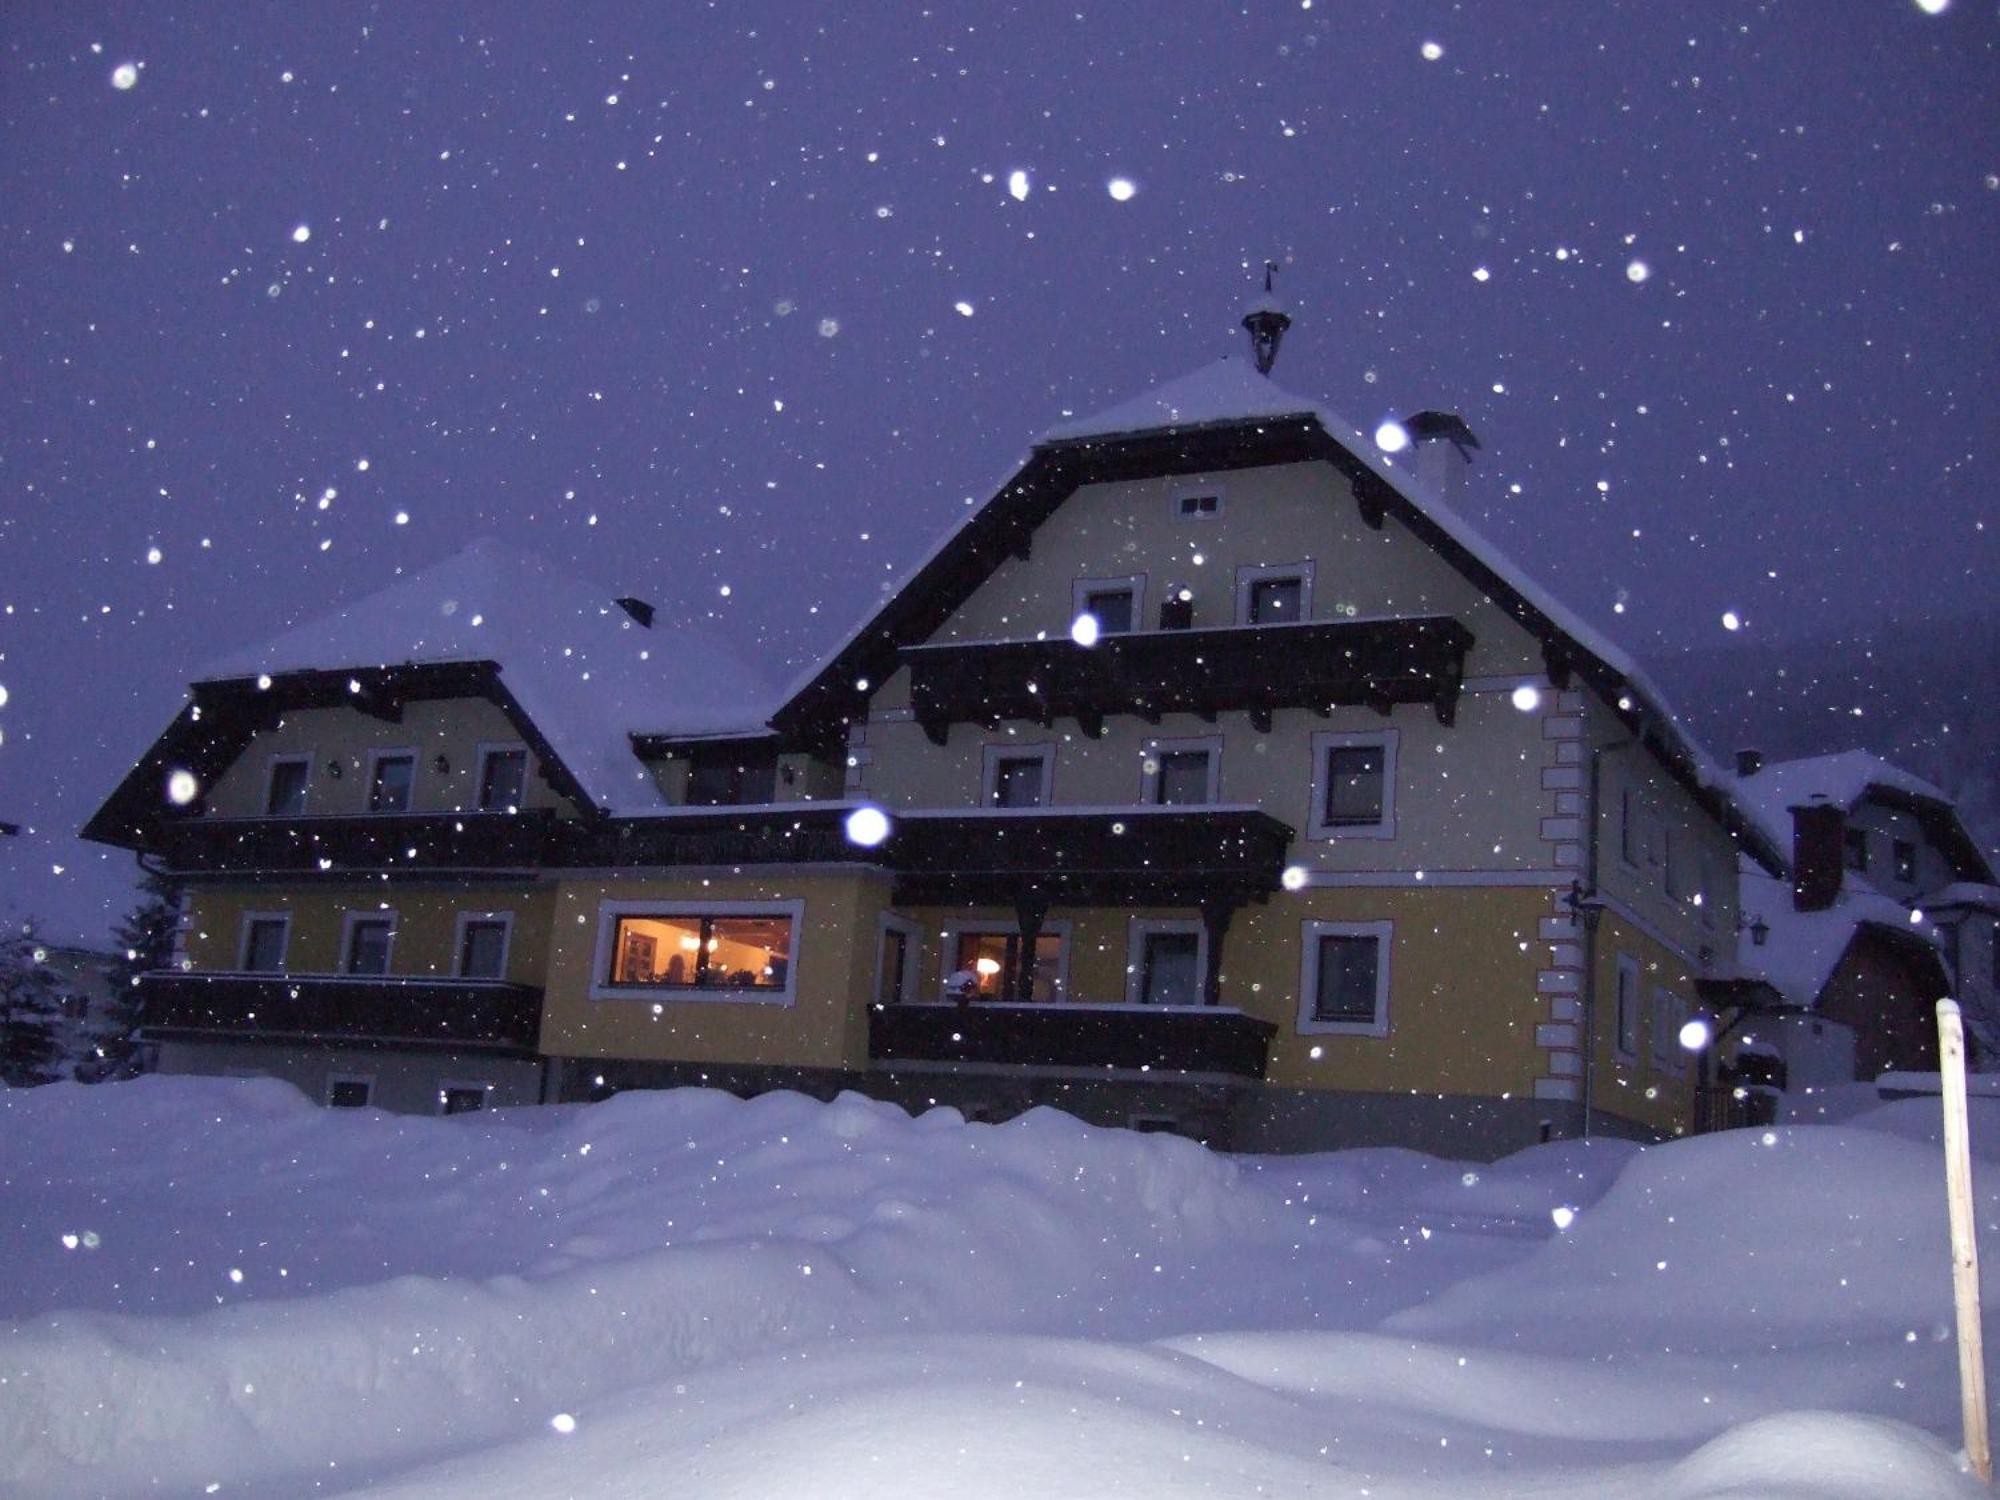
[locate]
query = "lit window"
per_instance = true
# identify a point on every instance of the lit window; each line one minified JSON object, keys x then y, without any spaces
{"x":994,"y":961}
{"x":702,"y":952}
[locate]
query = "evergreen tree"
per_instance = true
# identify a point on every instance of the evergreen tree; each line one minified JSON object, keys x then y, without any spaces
{"x":145,"y":940}
{"x":30,"y":1014}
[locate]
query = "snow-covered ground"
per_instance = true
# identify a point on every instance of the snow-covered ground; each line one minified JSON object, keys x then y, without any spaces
{"x":214,"y":1286}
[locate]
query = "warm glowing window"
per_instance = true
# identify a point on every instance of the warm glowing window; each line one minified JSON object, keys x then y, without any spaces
{"x":994,"y":961}
{"x":702,"y":952}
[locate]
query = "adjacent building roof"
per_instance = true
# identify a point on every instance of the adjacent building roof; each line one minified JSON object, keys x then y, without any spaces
{"x":576,"y":670}
{"x":1849,"y":778}
{"x":1802,"y":949}
{"x":1222,"y":416}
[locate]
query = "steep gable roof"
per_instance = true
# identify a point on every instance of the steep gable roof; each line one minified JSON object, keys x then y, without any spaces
{"x":1227,"y":416}
{"x":1801,"y":949}
{"x":574,"y":670}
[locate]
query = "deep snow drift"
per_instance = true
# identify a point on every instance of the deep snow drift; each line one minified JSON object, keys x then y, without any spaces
{"x":215,"y":1286}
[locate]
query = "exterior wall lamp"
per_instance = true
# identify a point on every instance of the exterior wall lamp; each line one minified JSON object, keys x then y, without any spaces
{"x":441,"y":763}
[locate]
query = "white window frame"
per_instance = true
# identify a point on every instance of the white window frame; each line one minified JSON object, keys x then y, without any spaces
{"x":348,"y":922}
{"x":989,"y":770}
{"x":1249,"y":574}
{"x":1137,"y":930}
{"x":1317,"y":826}
{"x":466,"y":919}
{"x":375,"y":759}
{"x":1670,"y":1013}
{"x":249,"y":919}
{"x":1185,"y":493}
{"x":326,"y":1094}
{"x":913,"y":952}
{"x":290,"y":758}
{"x":497,"y":747}
{"x":608,"y":913}
{"x":484,"y":1085}
{"x":1628,"y":970}
{"x":1310,"y":933}
{"x":1080,"y":590}
{"x":1153,"y":749}
{"x":949,"y":935}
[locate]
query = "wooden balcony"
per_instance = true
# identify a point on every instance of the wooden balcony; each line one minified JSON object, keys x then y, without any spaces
{"x":1165,"y":1042}
{"x":1316,"y":665}
{"x":468,"y":1014}
{"x":373,"y":841}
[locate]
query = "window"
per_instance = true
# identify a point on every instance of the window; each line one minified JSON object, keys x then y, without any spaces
{"x":1181,"y":773}
{"x":350,"y":1091}
{"x":1117,"y":604}
{"x":1354,"y":787}
{"x":1280,"y":595}
{"x":993,"y":958}
{"x":1627,"y":1034}
{"x":391,"y":777}
{"x":1205,"y":505}
{"x":1630,"y":837}
{"x":503,"y":777}
{"x":1165,"y":963}
{"x":1673,"y":853}
{"x":364,"y":947}
{"x":1857,"y":849}
{"x":462,"y":1098}
{"x":286,"y":795}
{"x":1904,"y":852}
{"x":1669,"y":1012}
{"x":482,"y":945}
{"x":896,"y":960}
{"x":264,"y":939}
{"x":1344,"y":980}
{"x":732,"y":777}
{"x":742,"y":952}
{"x":1018,"y":776}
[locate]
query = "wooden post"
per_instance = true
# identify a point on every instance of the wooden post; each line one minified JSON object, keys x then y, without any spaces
{"x":1964,"y":1244}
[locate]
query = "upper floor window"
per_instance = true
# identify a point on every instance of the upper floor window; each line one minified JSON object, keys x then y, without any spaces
{"x":285,"y":797}
{"x":1164,"y":962}
{"x":1198,"y":505}
{"x":1904,"y":853}
{"x":265,"y":935}
{"x":1117,"y":604}
{"x":1018,"y":777}
{"x":1631,"y":838}
{"x":1280,"y":595}
{"x":482,"y":946}
{"x":1181,"y":773}
{"x":1857,"y":849}
{"x":392,"y":777}
{"x":1354,"y":788}
{"x":732,"y":778}
{"x":365,"y":948}
{"x":503,"y":777}
{"x":1344,"y":983}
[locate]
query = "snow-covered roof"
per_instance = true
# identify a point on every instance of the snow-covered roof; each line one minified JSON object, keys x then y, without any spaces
{"x":1842,"y":779}
{"x":1801,"y":948}
{"x":1965,"y":893}
{"x":1227,"y":391}
{"x":586,"y":672}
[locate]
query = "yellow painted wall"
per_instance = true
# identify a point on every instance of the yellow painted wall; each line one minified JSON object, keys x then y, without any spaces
{"x":833,"y":962}
{"x":1640,"y":1087}
{"x":453,"y":727}
{"x":426,"y":924}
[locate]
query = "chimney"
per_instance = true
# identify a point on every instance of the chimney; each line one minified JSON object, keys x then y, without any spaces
{"x":1819,"y":848}
{"x":1749,"y":762}
{"x":638,"y":609}
{"x":1443,"y":446}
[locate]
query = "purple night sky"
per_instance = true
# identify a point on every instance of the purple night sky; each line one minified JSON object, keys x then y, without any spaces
{"x":691,"y":297}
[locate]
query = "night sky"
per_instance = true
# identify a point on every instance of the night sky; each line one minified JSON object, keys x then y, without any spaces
{"x":749,"y":297}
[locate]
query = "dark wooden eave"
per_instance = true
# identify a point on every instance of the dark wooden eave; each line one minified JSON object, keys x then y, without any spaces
{"x":1257,"y":668}
{"x":223,"y":716}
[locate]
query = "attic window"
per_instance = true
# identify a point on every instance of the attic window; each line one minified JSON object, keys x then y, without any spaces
{"x":1205,"y":506}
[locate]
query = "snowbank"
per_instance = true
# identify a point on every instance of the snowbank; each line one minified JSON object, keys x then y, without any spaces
{"x":771,"y":1297}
